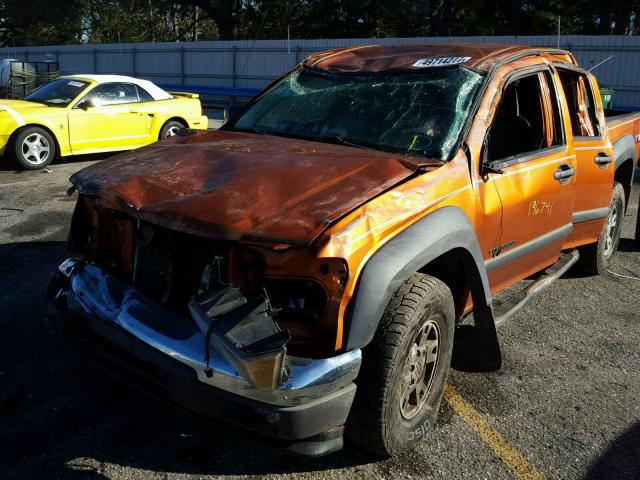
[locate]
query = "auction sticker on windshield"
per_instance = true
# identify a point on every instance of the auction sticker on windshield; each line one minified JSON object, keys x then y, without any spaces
{"x":440,"y":61}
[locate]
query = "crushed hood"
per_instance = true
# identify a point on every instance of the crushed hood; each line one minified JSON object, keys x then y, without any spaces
{"x":232,"y":185}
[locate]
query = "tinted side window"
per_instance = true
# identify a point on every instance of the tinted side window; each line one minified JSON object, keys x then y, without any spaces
{"x":527,"y":119}
{"x":114,"y":93}
{"x":519,"y":124}
{"x":143,"y":95}
{"x":582,"y":109}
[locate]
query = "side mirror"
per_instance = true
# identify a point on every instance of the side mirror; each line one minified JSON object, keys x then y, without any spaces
{"x":485,"y":166}
{"x":231,"y":110}
{"x":86,"y":103}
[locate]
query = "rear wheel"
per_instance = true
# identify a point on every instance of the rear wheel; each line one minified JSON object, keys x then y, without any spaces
{"x":404,"y":369}
{"x":32,"y":148}
{"x":170,"y":129}
{"x":596,"y":258}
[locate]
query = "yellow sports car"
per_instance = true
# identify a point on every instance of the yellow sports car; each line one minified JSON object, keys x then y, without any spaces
{"x":90,"y":114}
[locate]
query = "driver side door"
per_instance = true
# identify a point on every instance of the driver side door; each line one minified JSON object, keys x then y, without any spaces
{"x":107,"y":118}
{"x":530,"y":173}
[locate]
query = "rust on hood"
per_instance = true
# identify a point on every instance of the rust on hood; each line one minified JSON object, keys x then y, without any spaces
{"x":231,"y":185}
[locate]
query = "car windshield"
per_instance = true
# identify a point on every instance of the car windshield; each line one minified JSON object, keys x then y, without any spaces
{"x":419,"y":114}
{"x":58,"y":93}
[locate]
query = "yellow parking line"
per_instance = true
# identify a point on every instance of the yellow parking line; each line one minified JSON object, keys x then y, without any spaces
{"x":513,"y":459}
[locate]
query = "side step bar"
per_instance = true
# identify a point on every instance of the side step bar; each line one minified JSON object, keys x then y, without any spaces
{"x":505,"y":310}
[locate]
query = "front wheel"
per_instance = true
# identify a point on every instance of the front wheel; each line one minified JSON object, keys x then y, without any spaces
{"x":32,"y":148}
{"x":404,"y":369}
{"x":596,"y":258}
{"x":170,"y":129}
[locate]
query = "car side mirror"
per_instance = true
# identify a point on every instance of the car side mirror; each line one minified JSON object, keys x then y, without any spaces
{"x":231,"y":111}
{"x":86,"y":103}
{"x":485,"y":165}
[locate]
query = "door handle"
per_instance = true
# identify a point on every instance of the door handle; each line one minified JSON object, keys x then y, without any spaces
{"x":133,"y":111}
{"x":602,"y":159}
{"x":564,"y":173}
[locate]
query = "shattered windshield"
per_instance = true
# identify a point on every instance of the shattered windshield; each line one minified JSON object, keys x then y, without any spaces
{"x":412,"y":113}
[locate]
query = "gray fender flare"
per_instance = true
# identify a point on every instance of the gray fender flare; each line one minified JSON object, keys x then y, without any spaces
{"x":446,"y":229}
{"x":623,"y":149}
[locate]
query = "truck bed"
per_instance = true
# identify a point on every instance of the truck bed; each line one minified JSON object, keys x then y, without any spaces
{"x":621,"y":123}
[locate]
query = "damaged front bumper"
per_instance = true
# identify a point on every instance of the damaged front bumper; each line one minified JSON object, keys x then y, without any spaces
{"x":131,"y":333}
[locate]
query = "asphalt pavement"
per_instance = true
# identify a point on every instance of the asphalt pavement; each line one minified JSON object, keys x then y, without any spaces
{"x":565,"y":405}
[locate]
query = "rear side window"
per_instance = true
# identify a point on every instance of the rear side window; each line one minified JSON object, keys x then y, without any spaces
{"x":114,"y":93}
{"x":527,"y":119}
{"x":143,"y":95}
{"x":582,"y":108}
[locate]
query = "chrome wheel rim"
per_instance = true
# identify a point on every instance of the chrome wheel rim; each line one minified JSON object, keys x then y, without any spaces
{"x":35,"y":149}
{"x":612,"y":230}
{"x":419,"y":369}
{"x":171,"y":131}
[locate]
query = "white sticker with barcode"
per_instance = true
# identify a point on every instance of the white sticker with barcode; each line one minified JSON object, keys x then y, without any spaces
{"x":440,"y":61}
{"x":73,"y":83}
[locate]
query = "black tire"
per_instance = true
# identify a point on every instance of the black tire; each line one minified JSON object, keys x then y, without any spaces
{"x":384,"y":419}
{"x":638,"y":225}
{"x":596,"y":258}
{"x":32,"y":148}
{"x":170,"y":129}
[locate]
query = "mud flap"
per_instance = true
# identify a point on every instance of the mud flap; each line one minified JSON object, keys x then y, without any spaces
{"x":244,"y":333}
{"x":476,"y":347}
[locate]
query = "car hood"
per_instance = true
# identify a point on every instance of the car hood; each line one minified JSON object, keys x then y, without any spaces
{"x":23,"y":106}
{"x":232,"y":185}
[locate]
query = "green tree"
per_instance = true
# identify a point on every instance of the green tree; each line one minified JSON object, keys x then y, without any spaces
{"x":40,"y":22}
{"x":120,"y":21}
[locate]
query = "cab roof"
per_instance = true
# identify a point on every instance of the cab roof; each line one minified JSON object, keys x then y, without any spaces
{"x":379,"y":58}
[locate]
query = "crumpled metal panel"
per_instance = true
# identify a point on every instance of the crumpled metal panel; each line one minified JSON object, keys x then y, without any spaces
{"x":100,"y":294}
{"x":379,"y":58}
{"x":232,"y":185}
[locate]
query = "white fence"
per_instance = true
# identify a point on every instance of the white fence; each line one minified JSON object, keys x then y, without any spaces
{"x":249,"y":64}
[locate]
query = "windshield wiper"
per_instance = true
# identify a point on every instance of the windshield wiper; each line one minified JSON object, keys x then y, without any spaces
{"x":252,"y":130}
{"x":421,"y":153}
{"x":348,"y":141}
{"x":34,"y":101}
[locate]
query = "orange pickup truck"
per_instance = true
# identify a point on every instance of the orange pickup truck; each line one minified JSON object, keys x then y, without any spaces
{"x":316,"y":266}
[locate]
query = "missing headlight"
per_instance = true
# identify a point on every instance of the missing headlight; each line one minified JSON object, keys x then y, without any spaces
{"x":297,"y":300}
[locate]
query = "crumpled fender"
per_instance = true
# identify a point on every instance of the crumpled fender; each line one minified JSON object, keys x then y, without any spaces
{"x":476,"y":348}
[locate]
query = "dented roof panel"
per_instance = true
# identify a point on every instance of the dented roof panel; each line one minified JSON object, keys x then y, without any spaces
{"x":286,"y":190}
{"x":378,"y":58}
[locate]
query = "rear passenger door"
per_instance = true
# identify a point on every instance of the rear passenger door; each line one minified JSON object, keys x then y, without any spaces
{"x":594,"y":155}
{"x":528,"y":169}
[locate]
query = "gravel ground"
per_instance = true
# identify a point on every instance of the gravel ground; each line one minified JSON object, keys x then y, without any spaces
{"x":566,"y":397}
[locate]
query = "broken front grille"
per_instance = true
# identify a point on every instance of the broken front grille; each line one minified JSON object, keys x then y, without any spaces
{"x":168,"y":265}
{"x":172,"y":267}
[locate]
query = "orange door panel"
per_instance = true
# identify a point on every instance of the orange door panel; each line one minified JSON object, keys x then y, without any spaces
{"x":594,"y":156}
{"x":530,"y":173}
{"x":536,"y":216}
